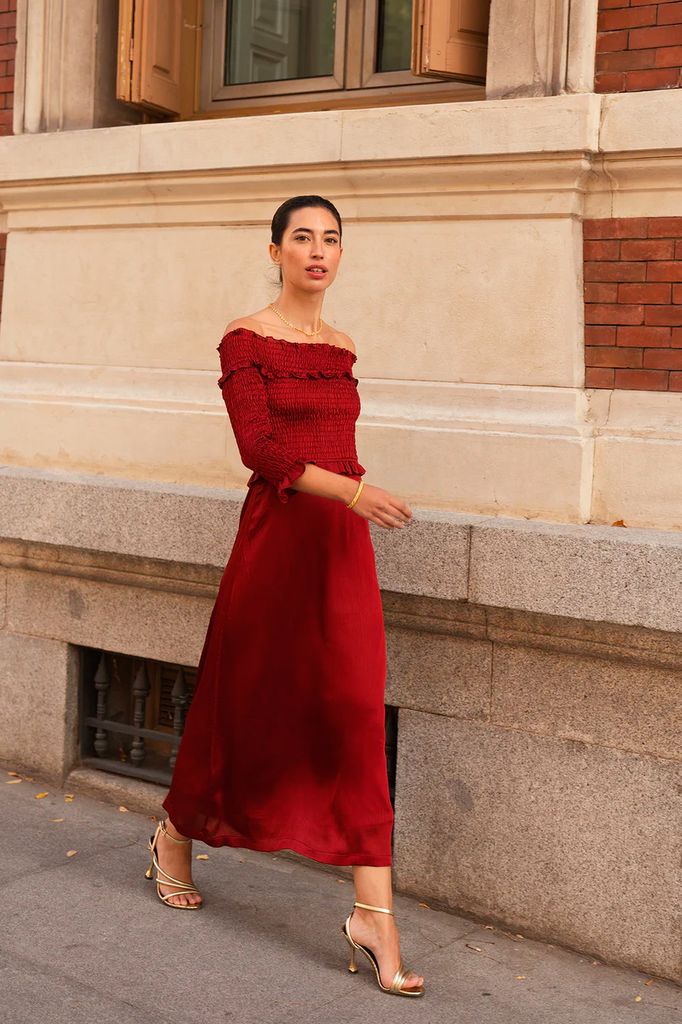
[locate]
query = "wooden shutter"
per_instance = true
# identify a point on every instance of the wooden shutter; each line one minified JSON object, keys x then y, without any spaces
{"x":450,"y":38}
{"x":153,"y":47}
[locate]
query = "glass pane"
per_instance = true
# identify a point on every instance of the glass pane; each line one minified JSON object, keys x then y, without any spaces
{"x":394,"y":35}
{"x":271,"y":40}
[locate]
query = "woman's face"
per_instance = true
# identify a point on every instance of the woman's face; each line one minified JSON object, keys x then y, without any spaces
{"x":311,"y":239}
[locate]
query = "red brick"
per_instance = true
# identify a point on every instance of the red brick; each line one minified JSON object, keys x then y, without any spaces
{"x":662,"y":35}
{"x":671,"y":14}
{"x":676,"y":340}
{"x":607,"y":271}
{"x":619,"y":227}
{"x":610,"y":81}
{"x":665,"y":227}
{"x":638,"y":3}
{"x":605,"y":5}
{"x":659,"y":293}
{"x":678,"y":249}
{"x":642,"y":380}
{"x":607,"y":356}
{"x":663,"y":358}
{"x":609,"y":250}
{"x":601,"y":291}
{"x":8,"y":20}
{"x":615,"y":313}
{"x":675,"y":382}
{"x":664,"y":270}
{"x":600,"y":334}
{"x":8,"y":51}
{"x":666,"y":56}
{"x":607,"y":41}
{"x":626,"y":60}
{"x":663,"y":315}
{"x":677,"y":294}
{"x":646,"y":336}
{"x":599,"y":377}
{"x":629,"y":17}
{"x":658,"y":78}
{"x":7,"y":84}
{"x":647,"y":249}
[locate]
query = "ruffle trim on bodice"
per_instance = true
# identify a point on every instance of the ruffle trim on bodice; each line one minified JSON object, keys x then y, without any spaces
{"x":278,"y":358}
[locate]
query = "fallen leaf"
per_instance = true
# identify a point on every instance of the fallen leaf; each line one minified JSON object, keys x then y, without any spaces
{"x":518,"y":936}
{"x":424,"y":905}
{"x":12,"y":782}
{"x":341,"y":881}
{"x":68,"y":796}
{"x":477,"y":948}
{"x":71,"y":853}
{"x":201,"y":856}
{"x":12,"y":773}
{"x":618,"y":522}
{"x":29,"y":778}
{"x":520,"y":977}
{"x":39,"y":796}
{"x":638,"y":999}
{"x":123,"y":808}
{"x":56,"y":819}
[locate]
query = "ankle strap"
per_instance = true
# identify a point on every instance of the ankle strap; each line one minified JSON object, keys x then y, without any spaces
{"x":367,"y":906}
{"x":167,"y":833}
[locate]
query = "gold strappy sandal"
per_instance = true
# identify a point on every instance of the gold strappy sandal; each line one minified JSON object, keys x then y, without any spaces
{"x":185,"y":886}
{"x":400,"y":975}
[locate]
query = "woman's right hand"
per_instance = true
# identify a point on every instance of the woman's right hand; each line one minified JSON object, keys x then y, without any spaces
{"x":382,"y":508}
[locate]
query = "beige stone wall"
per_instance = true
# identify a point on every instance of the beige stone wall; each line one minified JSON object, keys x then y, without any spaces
{"x":129,"y":249}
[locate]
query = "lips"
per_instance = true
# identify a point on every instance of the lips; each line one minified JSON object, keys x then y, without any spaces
{"x":318,"y":267}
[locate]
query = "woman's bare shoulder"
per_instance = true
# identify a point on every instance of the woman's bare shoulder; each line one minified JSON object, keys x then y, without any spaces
{"x":250,"y":323}
{"x":345,"y":341}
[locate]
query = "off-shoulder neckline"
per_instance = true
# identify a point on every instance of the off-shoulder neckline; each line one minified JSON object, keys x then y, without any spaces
{"x":295,"y":344}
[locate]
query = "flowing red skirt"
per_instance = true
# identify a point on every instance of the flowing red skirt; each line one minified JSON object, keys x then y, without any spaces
{"x":284,"y":745}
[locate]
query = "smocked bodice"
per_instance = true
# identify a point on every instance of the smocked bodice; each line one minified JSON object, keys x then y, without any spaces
{"x":290,"y":403}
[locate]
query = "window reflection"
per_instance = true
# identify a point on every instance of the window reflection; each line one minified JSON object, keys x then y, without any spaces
{"x":273,"y":40}
{"x":394,"y":35}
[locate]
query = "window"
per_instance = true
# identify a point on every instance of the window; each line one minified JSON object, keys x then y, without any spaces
{"x":198,"y":58}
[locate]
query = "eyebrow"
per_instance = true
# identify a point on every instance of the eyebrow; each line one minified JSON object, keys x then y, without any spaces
{"x":328,"y":231}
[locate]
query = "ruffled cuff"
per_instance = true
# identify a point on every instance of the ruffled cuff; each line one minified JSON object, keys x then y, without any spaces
{"x":283,"y":486}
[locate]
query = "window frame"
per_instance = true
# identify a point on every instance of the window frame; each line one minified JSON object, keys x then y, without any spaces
{"x":354,"y":83}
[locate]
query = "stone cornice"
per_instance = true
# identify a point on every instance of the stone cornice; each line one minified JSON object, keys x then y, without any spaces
{"x":598,"y":573}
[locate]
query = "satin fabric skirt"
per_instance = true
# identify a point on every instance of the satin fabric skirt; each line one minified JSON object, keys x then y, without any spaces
{"x":284,"y":745}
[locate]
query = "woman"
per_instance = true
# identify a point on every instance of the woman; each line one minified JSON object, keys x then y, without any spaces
{"x":284,"y":746}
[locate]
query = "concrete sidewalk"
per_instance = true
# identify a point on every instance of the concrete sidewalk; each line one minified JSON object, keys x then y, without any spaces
{"x":85,"y":938}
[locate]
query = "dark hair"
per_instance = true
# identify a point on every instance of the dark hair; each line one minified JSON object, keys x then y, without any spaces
{"x":280,"y":220}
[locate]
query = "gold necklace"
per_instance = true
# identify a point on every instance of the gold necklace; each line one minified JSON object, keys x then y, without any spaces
{"x":302,"y":330}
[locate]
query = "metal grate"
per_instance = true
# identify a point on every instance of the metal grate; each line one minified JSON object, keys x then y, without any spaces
{"x":132,"y":715}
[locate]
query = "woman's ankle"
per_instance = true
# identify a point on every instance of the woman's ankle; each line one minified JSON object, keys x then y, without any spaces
{"x":173,"y":832}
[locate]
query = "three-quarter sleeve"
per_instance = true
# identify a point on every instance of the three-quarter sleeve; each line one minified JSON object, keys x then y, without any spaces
{"x":244,"y":393}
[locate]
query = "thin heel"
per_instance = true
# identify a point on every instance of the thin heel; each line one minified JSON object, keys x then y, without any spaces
{"x":352,"y":966}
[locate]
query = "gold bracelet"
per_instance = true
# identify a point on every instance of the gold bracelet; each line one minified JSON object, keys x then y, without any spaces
{"x":357,"y":494}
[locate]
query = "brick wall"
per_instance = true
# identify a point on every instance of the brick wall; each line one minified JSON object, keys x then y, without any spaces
{"x":639,"y":45}
{"x":8,"y":45}
{"x":633,"y":303}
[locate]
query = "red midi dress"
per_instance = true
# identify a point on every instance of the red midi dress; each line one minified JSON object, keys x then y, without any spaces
{"x":284,"y":745}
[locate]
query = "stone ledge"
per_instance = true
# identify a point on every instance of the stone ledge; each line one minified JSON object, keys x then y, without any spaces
{"x":600,"y":573}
